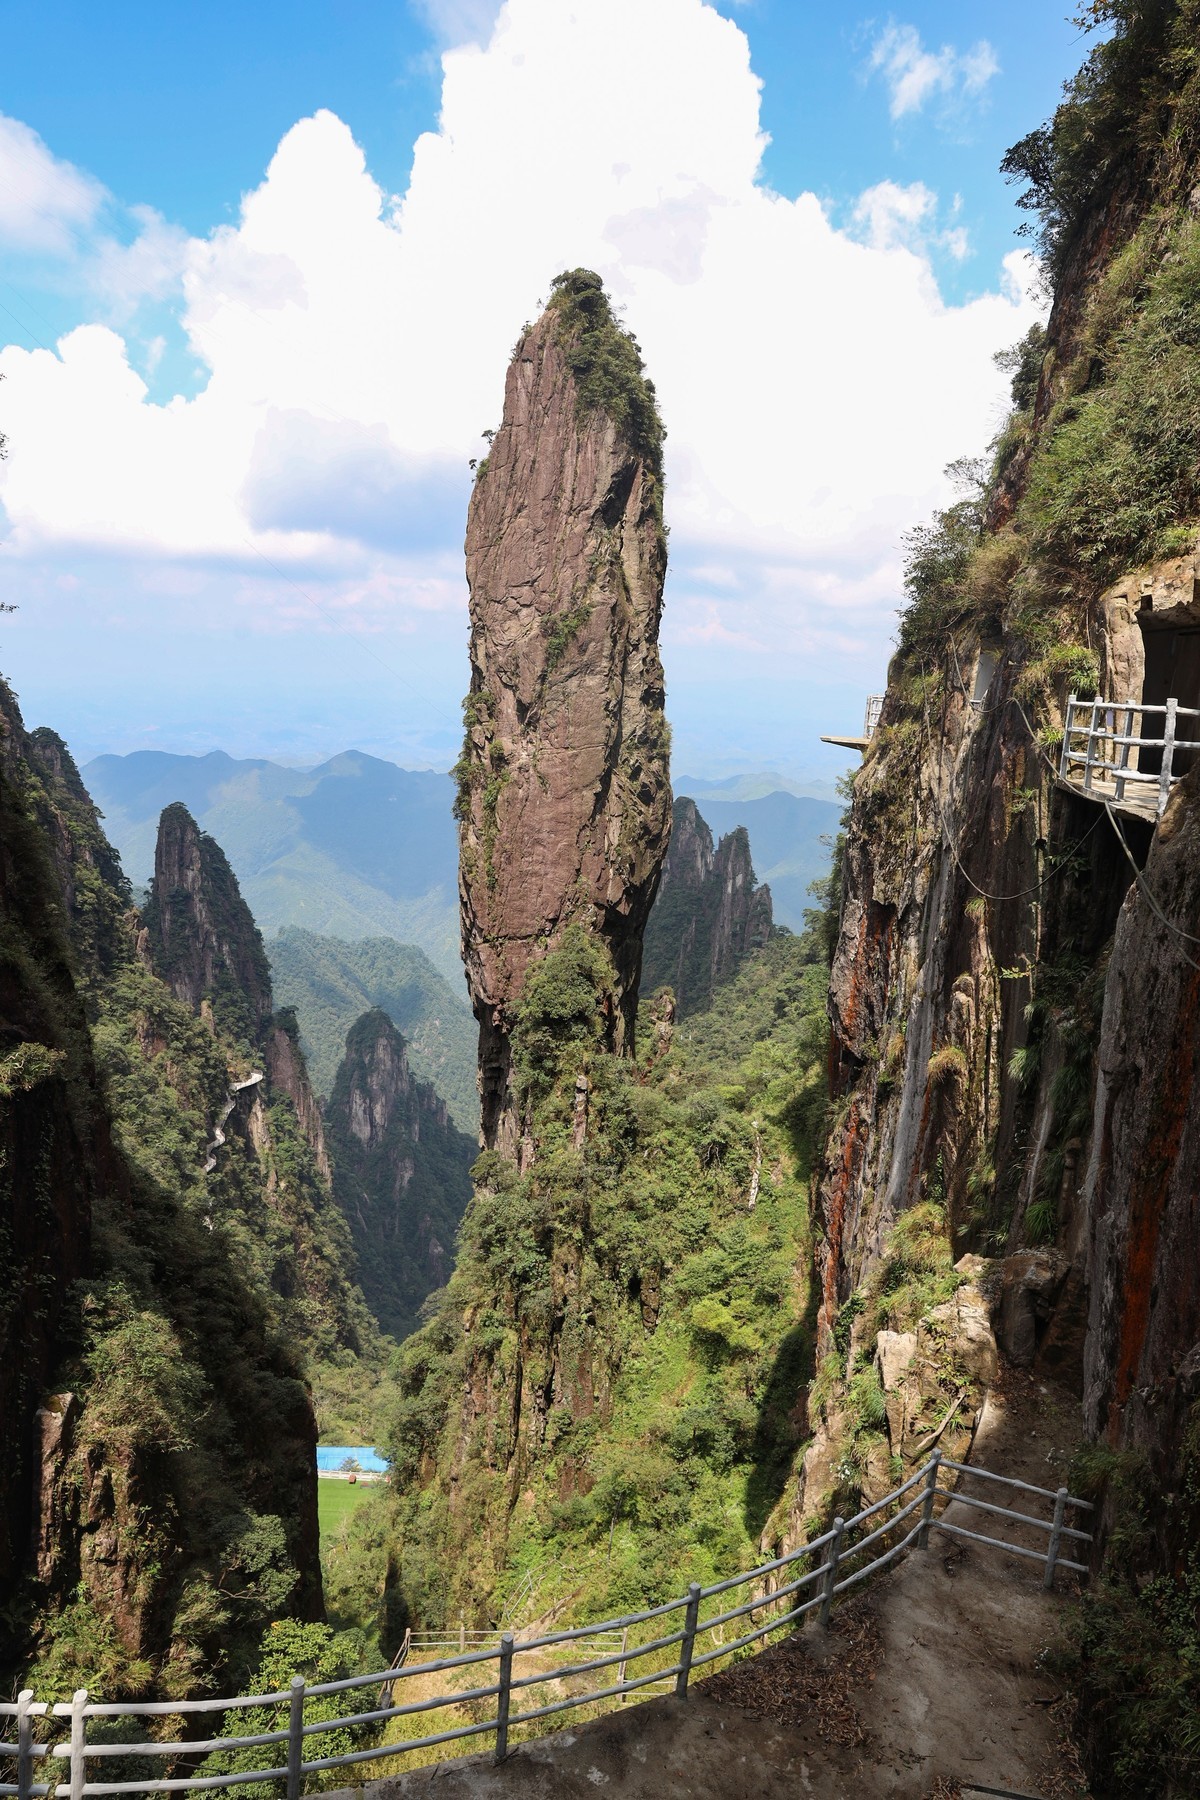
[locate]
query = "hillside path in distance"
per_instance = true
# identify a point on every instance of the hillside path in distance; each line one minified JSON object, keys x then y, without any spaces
{"x":925,"y":1684}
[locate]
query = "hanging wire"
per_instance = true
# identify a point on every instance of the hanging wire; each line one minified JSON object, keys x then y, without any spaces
{"x":952,"y":846}
{"x":1144,"y":885}
{"x":1026,"y":893}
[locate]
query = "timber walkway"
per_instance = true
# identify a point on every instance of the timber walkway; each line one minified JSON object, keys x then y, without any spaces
{"x":1116,"y":751}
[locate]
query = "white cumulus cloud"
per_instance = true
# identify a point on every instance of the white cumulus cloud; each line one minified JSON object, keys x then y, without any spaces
{"x":44,"y":201}
{"x":915,"y":75}
{"x":813,"y":380}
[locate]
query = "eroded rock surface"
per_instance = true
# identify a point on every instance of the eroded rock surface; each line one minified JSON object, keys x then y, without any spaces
{"x":710,"y":912}
{"x":564,"y":798}
{"x":1143,"y":1229}
{"x":203,"y":939}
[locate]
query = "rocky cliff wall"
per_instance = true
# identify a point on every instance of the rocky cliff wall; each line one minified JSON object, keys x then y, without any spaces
{"x":709,"y":915}
{"x":56,"y":1153}
{"x":401,"y":1173}
{"x":563,"y":799}
{"x":1013,"y":1021}
{"x":202,"y":937}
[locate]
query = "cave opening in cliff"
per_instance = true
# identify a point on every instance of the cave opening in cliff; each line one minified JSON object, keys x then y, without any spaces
{"x":1172,"y":672}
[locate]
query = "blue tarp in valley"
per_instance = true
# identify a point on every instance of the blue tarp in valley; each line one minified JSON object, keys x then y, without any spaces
{"x":332,"y":1457}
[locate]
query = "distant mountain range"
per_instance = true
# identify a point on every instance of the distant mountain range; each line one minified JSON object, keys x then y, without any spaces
{"x":358,"y":847}
{"x":351,"y":849}
{"x":355,"y":864}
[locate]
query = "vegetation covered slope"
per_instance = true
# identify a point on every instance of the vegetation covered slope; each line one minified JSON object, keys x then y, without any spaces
{"x":400,"y":1172}
{"x":603,"y":1397}
{"x":330,"y":983}
{"x":1015,"y":1032}
{"x":174,"y":1502}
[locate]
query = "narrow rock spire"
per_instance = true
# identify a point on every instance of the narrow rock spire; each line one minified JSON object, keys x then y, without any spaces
{"x":202,"y":935}
{"x":564,"y":800}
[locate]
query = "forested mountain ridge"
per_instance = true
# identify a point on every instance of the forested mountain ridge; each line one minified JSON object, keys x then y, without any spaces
{"x":329,"y":983}
{"x":176,"y":1287}
{"x":609,"y":1392}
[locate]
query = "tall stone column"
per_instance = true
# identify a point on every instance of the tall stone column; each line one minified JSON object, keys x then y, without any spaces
{"x":564,"y":799}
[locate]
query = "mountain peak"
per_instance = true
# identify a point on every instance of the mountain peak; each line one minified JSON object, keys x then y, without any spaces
{"x":203,"y":939}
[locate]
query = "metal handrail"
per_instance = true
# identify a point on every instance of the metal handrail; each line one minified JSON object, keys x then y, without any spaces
{"x":1105,"y":751}
{"x":837,"y":1549}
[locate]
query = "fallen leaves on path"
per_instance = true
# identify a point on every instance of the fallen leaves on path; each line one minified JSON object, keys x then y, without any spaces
{"x":788,"y":1685}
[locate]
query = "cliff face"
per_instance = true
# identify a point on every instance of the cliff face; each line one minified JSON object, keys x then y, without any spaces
{"x":564,"y":798}
{"x":288,"y":1074}
{"x":56,"y":1153}
{"x":709,"y":914}
{"x":202,"y":937}
{"x":1014,"y":1005}
{"x":176,"y":1258}
{"x":1138,"y":1194}
{"x":401,"y":1173}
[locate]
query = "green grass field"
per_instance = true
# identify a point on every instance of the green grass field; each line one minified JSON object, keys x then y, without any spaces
{"x":336,"y":1500}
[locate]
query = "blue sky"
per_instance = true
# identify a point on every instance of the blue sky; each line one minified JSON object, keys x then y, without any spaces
{"x":235,"y":498}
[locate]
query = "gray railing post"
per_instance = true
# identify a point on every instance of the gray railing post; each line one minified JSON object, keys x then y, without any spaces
{"x":690,"y":1620}
{"x":1056,"y":1531}
{"x":931,"y":1489}
{"x":831,"y":1570}
{"x":78,"y":1743}
{"x":1064,"y":767}
{"x":502,"y":1698}
{"x":1089,"y":754}
{"x":24,"y":1743}
{"x":1168,"y":757}
{"x":295,"y":1738}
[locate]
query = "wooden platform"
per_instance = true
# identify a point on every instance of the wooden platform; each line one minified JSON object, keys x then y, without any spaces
{"x":848,"y":743}
{"x":1138,"y":801}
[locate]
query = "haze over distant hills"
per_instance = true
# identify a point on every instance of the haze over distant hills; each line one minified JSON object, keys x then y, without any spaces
{"x":358,"y":847}
{"x":351,"y":849}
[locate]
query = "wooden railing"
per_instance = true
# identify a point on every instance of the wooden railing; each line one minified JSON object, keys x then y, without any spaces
{"x":1104,"y":757}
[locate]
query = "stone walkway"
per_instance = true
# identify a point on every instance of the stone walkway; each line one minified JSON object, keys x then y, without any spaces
{"x":926,"y":1684}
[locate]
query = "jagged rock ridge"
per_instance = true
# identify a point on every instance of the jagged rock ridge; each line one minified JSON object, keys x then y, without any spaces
{"x":709,"y":913}
{"x":202,"y":937}
{"x":564,"y":797}
{"x":401,"y":1172}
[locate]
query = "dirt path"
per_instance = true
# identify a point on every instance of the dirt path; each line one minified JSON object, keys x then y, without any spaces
{"x":925,"y":1685}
